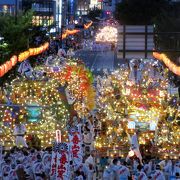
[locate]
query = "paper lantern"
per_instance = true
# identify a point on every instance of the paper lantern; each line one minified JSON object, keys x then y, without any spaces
{"x":86,"y":26}
{"x":131,"y":153}
{"x":5,"y":68}
{"x":172,"y":67}
{"x":31,"y":51}
{"x":13,"y":60}
{"x":9,"y":65}
{"x":131,"y":125}
{"x":23,"y":56}
{"x":2,"y":71}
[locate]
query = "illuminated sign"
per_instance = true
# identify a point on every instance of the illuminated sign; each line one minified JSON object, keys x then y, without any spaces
{"x":34,"y":113}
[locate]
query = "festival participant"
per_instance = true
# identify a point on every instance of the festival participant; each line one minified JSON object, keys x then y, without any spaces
{"x":110,"y":173}
{"x":140,"y":174}
{"x":147,"y":167}
{"x":136,"y":163}
{"x":90,"y":172}
{"x":135,"y":146}
{"x":19,"y":133}
{"x":167,"y":168}
{"x":46,"y":160}
{"x":175,"y":170}
{"x":38,"y":169}
{"x":78,"y":175}
{"x":158,"y":175}
{"x":13,"y":174}
{"x":90,"y":160}
{"x":123,"y":173}
{"x":115,"y":168}
{"x":6,"y":169}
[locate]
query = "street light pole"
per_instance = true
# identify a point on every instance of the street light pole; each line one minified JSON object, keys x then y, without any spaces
{"x":60,"y":20}
{"x":16,"y":11}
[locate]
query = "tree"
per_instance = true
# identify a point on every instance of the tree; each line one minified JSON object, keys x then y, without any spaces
{"x":17,"y":34}
{"x":138,"y":12}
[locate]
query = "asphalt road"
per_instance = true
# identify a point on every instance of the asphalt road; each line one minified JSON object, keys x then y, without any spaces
{"x":97,"y":61}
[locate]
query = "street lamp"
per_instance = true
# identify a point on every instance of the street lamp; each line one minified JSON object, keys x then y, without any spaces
{"x":59,"y":18}
{"x":16,"y":3}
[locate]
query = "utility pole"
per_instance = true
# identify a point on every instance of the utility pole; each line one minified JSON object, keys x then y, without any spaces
{"x":16,"y":4}
{"x":59,"y":19}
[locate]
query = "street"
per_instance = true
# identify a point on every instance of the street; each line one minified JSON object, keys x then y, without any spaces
{"x":97,"y":61}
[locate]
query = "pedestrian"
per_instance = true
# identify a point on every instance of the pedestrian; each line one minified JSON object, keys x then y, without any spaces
{"x":19,"y":133}
{"x":158,"y":175}
{"x":123,"y":173}
{"x":140,"y":175}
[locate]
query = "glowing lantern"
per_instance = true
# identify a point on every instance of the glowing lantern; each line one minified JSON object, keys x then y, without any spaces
{"x":152,"y":126}
{"x":9,"y":65}
{"x":131,"y":125}
{"x":86,"y":26}
{"x":107,"y":34}
{"x":13,"y":60}
{"x":131,"y":153}
{"x":31,"y":51}
{"x":5,"y":68}
{"x":2,"y":71}
{"x":172,"y":67}
{"x":23,"y":56}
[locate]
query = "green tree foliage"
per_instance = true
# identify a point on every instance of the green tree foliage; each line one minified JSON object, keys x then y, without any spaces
{"x":17,"y":34}
{"x":138,"y":12}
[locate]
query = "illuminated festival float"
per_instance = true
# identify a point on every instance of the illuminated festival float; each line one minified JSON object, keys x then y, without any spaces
{"x":138,"y":96}
{"x":107,"y":34}
{"x":46,"y":98}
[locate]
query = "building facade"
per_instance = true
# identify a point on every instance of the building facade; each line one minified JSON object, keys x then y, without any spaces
{"x":83,"y":7}
{"x":9,"y":6}
{"x":43,"y":11}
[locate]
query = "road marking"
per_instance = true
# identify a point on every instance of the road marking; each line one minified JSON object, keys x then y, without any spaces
{"x":92,"y":67}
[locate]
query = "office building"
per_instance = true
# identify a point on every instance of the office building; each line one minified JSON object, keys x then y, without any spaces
{"x":9,"y":6}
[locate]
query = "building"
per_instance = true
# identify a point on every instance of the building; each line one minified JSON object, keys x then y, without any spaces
{"x":44,"y":11}
{"x":48,"y":13}
{"x":95,"y":4}
{"x":9,"y":6}
{"x":71,"y":11}
{"x":83,"y":7}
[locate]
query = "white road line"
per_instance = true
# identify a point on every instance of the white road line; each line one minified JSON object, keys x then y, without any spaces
{"x":92,"y":67}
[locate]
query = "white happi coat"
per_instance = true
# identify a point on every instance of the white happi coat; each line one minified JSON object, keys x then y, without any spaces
{"x":19,"y":132}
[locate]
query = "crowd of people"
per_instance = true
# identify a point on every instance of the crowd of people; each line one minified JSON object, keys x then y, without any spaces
{"x":150,"y":169}
{"x":35,"y":163}
{"x":97,"y":47}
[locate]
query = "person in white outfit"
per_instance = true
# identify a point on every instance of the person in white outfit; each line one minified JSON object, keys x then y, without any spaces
{"x":122,"y":173}
{"x":158,"y":175}
{"x":19,"y":133}
{"x":140,"y":174}
{"x":135,"y":146}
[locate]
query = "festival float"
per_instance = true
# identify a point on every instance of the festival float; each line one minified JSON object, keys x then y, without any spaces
{"x":137,"y":97}
{"x":107,"y":34}
{"x":78,"y":83}
{"x":37,"y":103}
{"x":47,"y":98}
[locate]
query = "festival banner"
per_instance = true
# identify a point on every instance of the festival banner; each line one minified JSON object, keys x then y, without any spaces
{"x":62,"y":165}
{"x":53,"y":161}
{"x":76,"y":151}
